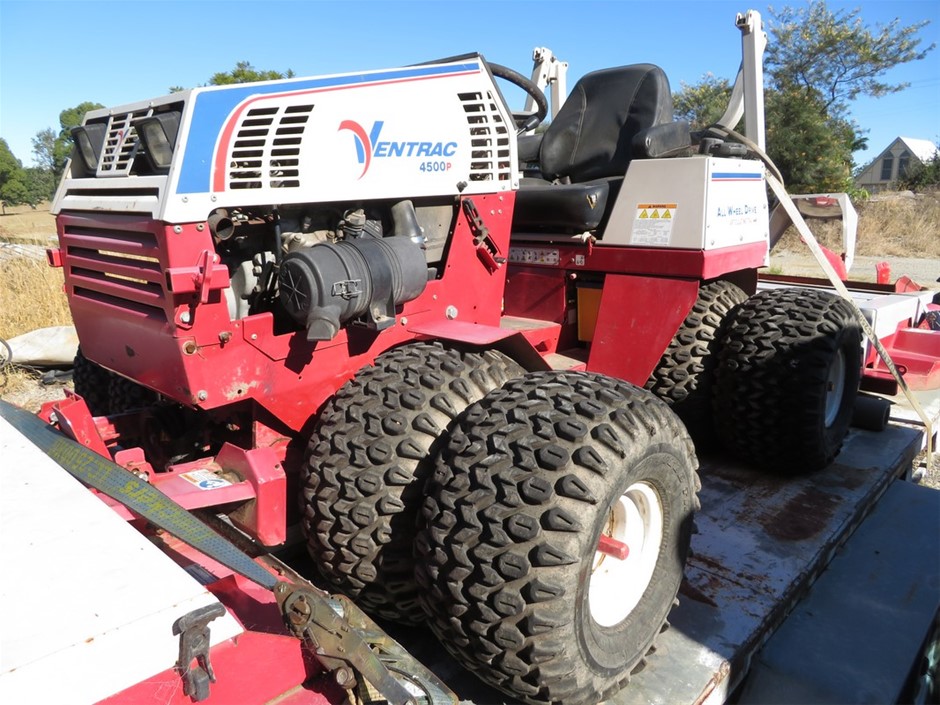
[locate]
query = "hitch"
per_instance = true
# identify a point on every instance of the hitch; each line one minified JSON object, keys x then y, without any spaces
{"x":345,"y":641}
{"x":193,"y":630}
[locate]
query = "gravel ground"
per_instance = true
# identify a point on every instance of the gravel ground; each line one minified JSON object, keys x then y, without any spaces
{"x":925,"y":477}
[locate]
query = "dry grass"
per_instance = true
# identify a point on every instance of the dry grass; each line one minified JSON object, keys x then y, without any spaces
{"x":24,"y":224}
{"x":891,"y":225}
{"x":19,"y":386}
{"x":31,"y":296}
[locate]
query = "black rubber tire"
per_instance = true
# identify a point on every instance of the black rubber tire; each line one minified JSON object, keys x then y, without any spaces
{"x":773,"y":378}
{"x":127,"y":395}
{"x":514,"y":511}
{"x":368,"y":460}
{"x":685,"y":375}
{"x":92,"y":383}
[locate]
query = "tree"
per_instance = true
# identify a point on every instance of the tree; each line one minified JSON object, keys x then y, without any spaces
{"x":18,"y":185}
{"x":923,"y":174}
{"x":836,"y":55}
{"x":817,"y":62}
{"x":703,"y":103}
{"x":10,"y":166}
{"x":812,"y":150}
{"x":44,"y":149}
{"x":8,"y":163}
{"x":244,"y":72}
{"x":30,"y":186}
{"x":15,"y":190}
{"x":40,"y":185}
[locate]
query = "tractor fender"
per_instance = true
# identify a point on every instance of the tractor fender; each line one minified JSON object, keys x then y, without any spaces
{"x":510,"y":342}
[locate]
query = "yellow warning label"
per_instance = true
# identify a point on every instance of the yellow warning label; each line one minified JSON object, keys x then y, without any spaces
{"x":652,"y":226}
{"x":656,"y":211}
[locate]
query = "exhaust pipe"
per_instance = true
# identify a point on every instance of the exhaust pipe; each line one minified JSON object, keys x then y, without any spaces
{"x":220,"y":225}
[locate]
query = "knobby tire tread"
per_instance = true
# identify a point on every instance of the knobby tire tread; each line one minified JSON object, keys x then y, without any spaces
{"x":507,"y":532}
{"x":685,"y":375}
{"x":771,"y":379}
{"x":368,"y":460}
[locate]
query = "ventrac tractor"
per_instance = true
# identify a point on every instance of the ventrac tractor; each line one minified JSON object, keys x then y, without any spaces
{"x":468,"y":359}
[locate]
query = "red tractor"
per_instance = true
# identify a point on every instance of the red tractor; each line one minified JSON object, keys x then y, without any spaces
{"x":338,"y":302}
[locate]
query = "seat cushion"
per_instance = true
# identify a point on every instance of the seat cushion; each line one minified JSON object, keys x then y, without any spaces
{"x":592,"y":135}
{"x":562,"y":208}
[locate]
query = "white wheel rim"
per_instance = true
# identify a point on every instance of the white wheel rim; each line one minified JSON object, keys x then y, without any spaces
{"x":835,"y":387}
{"x":636,"y":519}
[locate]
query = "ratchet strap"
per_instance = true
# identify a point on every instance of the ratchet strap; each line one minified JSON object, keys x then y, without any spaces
{"x":341,"y":636}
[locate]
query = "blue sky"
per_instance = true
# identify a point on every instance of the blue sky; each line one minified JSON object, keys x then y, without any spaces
{"x":55,"y":55}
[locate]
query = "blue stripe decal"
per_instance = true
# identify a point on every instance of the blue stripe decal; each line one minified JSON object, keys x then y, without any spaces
{"x":213,"y":108}
{"x":735,"y":175}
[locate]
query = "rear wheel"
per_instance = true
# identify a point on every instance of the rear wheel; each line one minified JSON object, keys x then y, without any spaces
{"x":554,"y":534}
{"x":126,"y":395}
{"x":787,"y":378}
{"x":368,"y":461}
{"x":92,"y":383}
{"x":105,"y":392}
{"x":685,"y":376}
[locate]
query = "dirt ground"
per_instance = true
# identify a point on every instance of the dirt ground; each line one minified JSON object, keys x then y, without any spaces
{"x":925,"y":272}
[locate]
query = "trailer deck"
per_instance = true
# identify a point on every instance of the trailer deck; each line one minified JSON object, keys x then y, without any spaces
{"x":747,"y":604}
{"x":761,"y":542}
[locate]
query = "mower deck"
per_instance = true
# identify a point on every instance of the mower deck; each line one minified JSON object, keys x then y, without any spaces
{"x":78,"y":621}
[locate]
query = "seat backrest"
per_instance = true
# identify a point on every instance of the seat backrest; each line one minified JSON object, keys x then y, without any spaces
{"x":592,"y":134}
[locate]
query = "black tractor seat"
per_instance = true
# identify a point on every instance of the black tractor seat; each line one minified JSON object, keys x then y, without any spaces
{"x":611,"y":117}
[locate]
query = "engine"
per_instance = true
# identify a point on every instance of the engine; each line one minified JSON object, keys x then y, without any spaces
{"x":323,"y":266}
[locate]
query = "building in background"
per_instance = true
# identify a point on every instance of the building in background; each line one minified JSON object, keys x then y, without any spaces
{"x":902,"y":155}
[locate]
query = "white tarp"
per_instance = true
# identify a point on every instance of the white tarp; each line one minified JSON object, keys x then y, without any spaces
{"x":45,"y":347}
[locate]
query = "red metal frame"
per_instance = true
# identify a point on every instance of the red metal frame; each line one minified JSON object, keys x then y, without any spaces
{"x":638,"y":317}
{"x":916,"y":354}
{"x":147,"y":302}
{"x":157,"y":296}
{"x":262,"y":665}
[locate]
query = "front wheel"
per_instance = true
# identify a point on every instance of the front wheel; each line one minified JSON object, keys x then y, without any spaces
{"x":367,"y":463}
{"x":92,"y":383}
{"x":555,"y":531}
